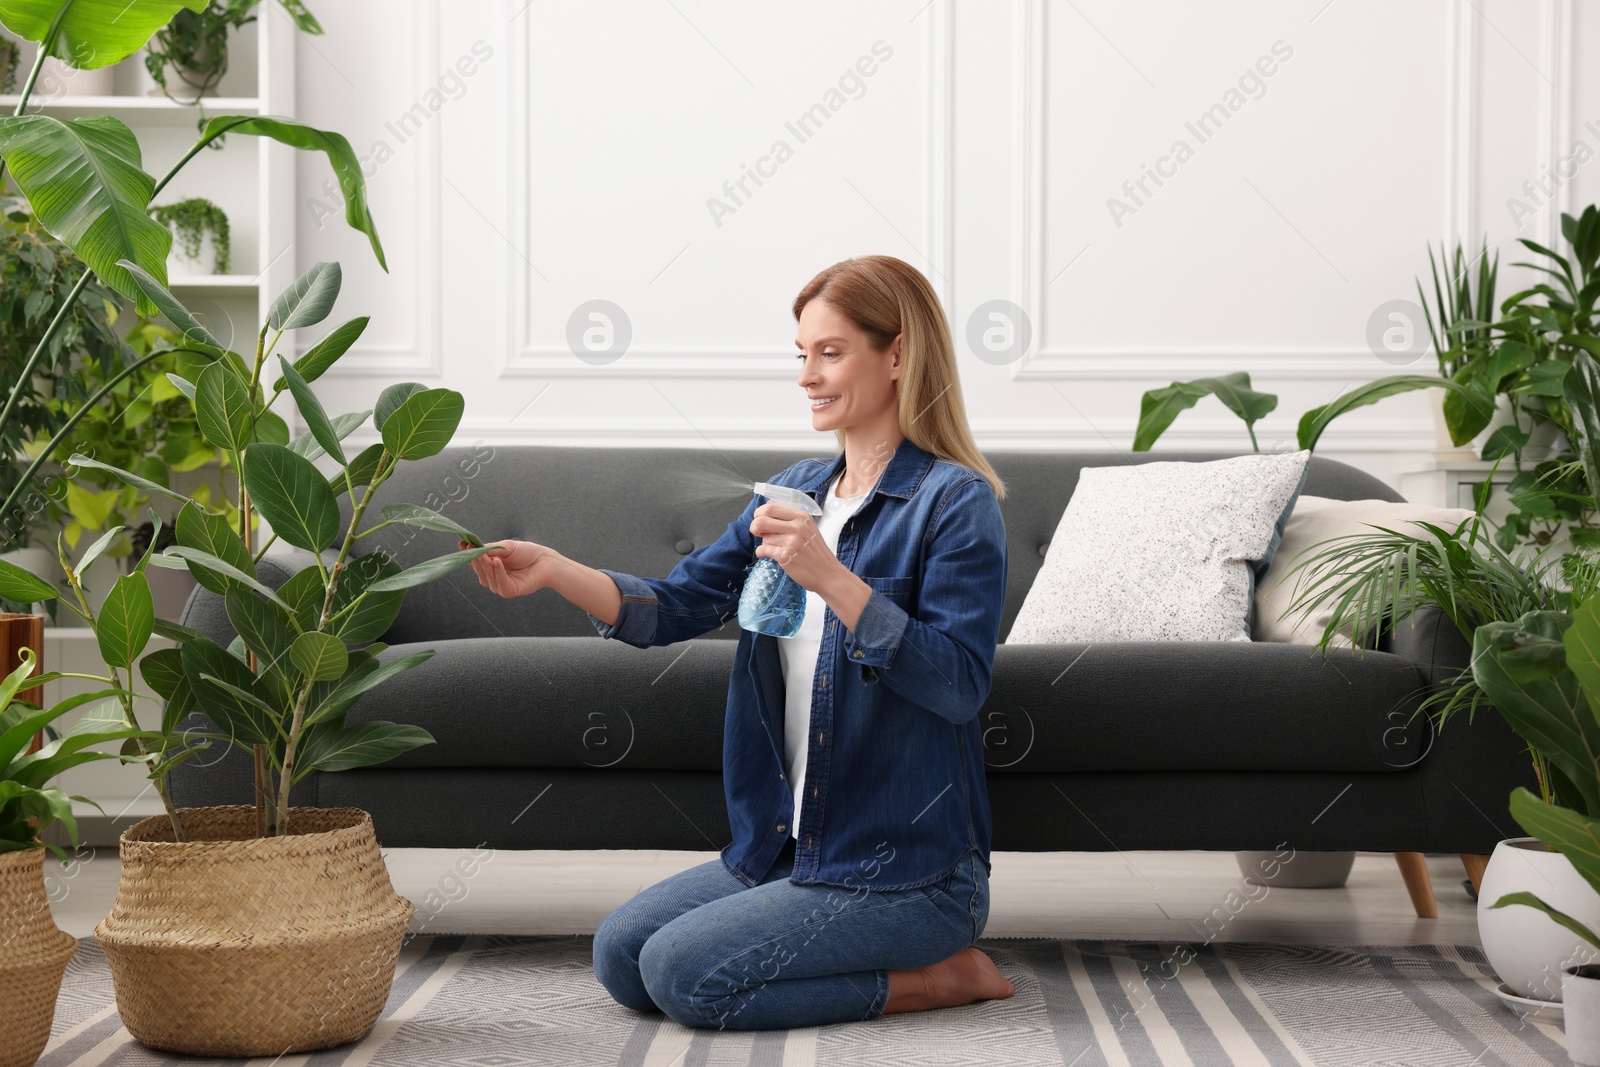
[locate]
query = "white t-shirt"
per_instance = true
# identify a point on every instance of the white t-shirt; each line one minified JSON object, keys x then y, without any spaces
{"x":798,"y":654}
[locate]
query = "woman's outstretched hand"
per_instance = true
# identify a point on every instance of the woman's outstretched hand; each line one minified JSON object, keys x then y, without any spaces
{"x":517,"y":571}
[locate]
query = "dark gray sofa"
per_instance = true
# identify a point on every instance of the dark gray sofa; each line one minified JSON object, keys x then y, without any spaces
{"x":550,"y":737}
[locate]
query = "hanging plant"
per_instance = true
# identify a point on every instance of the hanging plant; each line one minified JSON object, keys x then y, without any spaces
{"x":189,"y":220}
{"x":195,"y":44}
{"x":10,"y":57}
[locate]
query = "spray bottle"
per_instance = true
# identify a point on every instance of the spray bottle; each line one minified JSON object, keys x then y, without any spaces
{"x":772,"y":602}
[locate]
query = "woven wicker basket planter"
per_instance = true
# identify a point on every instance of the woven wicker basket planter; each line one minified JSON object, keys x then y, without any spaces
{"x":228,"y":944}
{"x":33,"y":956}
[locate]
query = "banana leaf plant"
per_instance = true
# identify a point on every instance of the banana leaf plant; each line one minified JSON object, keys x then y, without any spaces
{"x":85,"y":180}
{"x":1543,"y":673}
{"x":283,"y":687}
{"x":27,"y":803}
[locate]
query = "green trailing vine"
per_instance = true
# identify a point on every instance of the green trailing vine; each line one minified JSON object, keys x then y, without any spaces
{"x":10,"y":57}
{"x":189,"y":220}
{"x":195,"y":43}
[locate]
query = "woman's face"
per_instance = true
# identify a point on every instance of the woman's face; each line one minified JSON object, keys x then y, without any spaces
{"x":837,"y":361}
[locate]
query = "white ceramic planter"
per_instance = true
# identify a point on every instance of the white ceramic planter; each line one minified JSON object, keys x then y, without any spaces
{"x":203,"y":263}
{"x":1302,"y":870}
{"x":1526,"y":948}
{"x":1580,"y":998}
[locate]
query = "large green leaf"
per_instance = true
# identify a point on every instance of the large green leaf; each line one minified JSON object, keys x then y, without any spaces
{"x":23,"y":586}
{"x":417,"y":515}
{"x":427,"y":571}
{"x":1315,"y":421}
{"x":424,"y":424}
{"x":308,"y":299}
{"x":365,"y":674}
{"x":1532,"y":900}
{"x":319,"y":656}
{"x":373,"y":613}
{"x":93,"y":552}
{"x":311,"y":408}
{"x":197,"y":528}
{"x":1548,"y":711}
{"x":194,"y":334}
{"x":327,"y":351}
{"x":264,"y":627}
{"x":343,"y":426}
{"x":1575,"y":835}
{"x":126,"y":620}
{"x":1158,"y":407}
{"x":77,"y":459}
{"x":242,"y":716}
{"x":86,"y":183}
{"x":361,"y":745}
{"x":390,"y":400}
{"x":346,"y":165}
{"x":94,"y":33}
{"x":293,"y":496}
{"x":222,"y":407}
{"x":227,"y":570}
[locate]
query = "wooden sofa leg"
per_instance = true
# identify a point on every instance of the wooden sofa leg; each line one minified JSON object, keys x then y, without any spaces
{"x":1474,"y":863}
{"x":1414,"y":869}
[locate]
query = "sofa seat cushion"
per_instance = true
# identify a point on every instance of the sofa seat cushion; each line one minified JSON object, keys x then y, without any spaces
{"x":1193,"y":705}
{"x":1113,"y":706}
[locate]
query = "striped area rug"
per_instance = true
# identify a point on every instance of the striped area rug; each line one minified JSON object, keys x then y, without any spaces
{"x":476,"y":1001}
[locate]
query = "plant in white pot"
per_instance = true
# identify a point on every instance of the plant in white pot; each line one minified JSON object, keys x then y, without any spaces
{"x":200,"y":234}
{"x":1543,"y":673}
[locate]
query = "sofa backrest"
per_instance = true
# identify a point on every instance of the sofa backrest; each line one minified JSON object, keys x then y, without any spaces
{"x":642,"y":510}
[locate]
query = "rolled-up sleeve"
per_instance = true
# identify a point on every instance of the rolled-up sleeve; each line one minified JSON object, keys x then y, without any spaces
{"x":943,"y":658}
{"x":700,"y":594}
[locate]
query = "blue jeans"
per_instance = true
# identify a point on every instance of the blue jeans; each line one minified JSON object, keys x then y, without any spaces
{"x":713,"y":952}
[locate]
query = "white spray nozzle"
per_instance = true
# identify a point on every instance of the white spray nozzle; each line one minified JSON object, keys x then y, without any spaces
{"x":785,"y":495}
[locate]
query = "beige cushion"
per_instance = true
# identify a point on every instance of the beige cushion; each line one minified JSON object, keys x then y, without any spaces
{"x":1314,"y":519}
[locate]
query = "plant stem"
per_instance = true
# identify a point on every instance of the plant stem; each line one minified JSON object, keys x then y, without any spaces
{"x":49,"y":449}
{"x":130,"y":717}
{"x":33,"y":75}
{"x":327,"y":605}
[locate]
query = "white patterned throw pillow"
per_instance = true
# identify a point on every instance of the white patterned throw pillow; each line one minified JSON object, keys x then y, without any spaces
{"x":1315,"y":520}
{"x":1162,"y":551}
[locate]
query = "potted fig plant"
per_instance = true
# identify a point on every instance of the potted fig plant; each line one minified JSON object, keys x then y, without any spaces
{"x":310,"y":965}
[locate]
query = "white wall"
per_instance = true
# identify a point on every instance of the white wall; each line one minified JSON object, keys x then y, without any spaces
{"x":576,"y":161}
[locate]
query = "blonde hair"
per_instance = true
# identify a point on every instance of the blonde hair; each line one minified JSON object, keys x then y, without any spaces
{"x":884,"y":296}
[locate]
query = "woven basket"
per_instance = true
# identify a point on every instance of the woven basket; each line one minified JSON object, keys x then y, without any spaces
{"x":33,"y":956}
{"x":229,"y":944}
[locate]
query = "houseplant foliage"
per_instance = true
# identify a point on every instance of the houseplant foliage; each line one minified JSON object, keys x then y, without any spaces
{"x":85,"y":181}
{"x":195,"y":43}
{"x":190,"y":220}
{"x":283,"y":688}
{"x":37,"y":272}
{"x":35,"y":951}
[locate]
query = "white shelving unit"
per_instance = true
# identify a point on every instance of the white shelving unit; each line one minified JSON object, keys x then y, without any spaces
{"x":252,"y":179}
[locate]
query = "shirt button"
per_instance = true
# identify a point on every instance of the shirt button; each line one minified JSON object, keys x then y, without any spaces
{"x":782,"y":827}
{"x":859,"y":654}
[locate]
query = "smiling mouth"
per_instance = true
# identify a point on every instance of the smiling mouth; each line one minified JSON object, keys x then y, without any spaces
{"x":818,"y":405}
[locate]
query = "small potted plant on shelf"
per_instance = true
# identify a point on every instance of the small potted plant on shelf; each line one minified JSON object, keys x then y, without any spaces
{"x":36,"y":950}
{"x":10,"y":57}
{"x":188,"y":57}
{"x":200,"y":235}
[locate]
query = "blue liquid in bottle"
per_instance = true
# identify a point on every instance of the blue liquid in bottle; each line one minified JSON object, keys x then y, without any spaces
{"x":772,"y":602}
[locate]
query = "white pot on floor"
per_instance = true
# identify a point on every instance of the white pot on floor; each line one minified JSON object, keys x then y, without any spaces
{"x":1580,"y":999}
{"x":1302,"y":870}
{"x":1528,"y":949}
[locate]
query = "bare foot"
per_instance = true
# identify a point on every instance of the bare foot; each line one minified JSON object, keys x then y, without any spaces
{"x":968,"y":976}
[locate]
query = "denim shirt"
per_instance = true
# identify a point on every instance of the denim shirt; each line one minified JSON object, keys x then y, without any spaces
{"x":895,"y":793}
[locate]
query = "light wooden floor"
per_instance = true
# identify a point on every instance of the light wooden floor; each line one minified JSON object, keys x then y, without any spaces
{"x":1156,"y":896}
